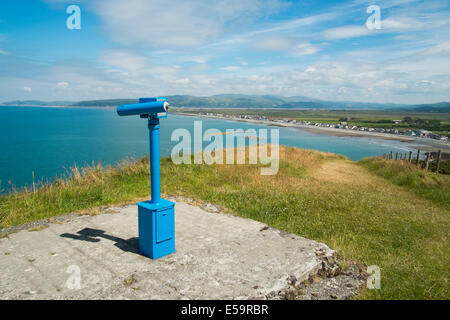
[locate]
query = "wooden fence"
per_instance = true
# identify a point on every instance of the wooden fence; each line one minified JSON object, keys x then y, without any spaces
{"x":430,"y":157}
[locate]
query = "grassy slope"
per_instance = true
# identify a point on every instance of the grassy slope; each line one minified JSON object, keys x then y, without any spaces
{"x":402,"y":173}
{"x":357,"y":209}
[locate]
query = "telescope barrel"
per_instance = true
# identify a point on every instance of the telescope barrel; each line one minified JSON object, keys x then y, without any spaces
{"x":152,"y":107}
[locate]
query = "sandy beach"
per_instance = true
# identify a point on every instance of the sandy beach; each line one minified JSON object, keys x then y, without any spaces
{"x":414,"y":142}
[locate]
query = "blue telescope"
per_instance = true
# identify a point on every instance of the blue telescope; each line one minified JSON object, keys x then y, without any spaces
{"x":156,"y":217}
{"x":146,"y":106}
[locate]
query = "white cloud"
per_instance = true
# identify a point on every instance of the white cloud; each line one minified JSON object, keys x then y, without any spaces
{"x":408,"y":37}
{"x":392,"y":24}
{"x":27,"y":89}
{"x":274,"y":43}
{"x":402,"y":24}
{"x":347,"y":32}
{"x":173,"y":23}
{"x":181,"y":81}
{"x":258,"y":78}
{"x":231,"y":68}
{"x":441,"y":50}
{"x":304,"y":49}
{"x":198,"y":47}
{"x":126,"y":61}
{"x":290,"y":45}
{"x":294,"y":25}
{"x":390,"y":84}
{"x":62,"y":85}
{"x":241,"y":61}
{"x":199,"y":60}
{"x":3,"y":52}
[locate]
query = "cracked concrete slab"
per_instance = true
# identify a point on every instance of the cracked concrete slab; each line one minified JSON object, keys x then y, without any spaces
{"x":218,"y":256}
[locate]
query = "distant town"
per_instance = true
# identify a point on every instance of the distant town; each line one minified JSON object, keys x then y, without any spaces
{"x":339,"y":125}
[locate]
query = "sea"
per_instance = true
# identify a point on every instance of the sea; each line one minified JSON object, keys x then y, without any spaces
{"x":41,"y":143}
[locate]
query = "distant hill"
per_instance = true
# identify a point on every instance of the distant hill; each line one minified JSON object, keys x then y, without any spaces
{"x":226,"y":101}
{"x":441,"y":107}
{"x":269,"y":101}
{"x":37,"y":103}
{"x":250,"y":101}
{"x":104,"y":103}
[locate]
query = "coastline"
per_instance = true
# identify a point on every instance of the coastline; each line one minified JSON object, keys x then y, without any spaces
{"x":424,"y":143}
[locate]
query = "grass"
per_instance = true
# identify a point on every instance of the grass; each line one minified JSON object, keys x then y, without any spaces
{"x":402,"y":173}
{"x":375,"y":212}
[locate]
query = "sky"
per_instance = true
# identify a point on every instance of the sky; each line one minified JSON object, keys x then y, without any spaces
{"x":329,"y":50}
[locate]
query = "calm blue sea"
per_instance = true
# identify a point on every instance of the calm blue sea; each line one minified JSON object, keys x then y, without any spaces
{"x":47,"y":141}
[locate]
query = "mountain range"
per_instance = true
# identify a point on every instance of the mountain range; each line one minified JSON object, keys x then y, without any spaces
{"x":248,"y":101}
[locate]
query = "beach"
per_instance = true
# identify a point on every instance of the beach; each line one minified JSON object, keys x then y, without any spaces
{"x":425,"y":144}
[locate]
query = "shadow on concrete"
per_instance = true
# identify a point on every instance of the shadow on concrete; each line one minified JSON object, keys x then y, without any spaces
{"x":93,"y":235}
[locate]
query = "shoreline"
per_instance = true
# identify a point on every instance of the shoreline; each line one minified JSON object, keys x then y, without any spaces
{"x":424,"y":143}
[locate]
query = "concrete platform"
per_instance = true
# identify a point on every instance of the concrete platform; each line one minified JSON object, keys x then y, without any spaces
{"x":218,"y":256}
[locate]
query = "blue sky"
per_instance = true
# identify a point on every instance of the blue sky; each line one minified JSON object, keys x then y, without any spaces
{"x":133,"y":48}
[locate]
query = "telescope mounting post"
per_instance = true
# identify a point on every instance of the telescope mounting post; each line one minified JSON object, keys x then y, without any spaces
{"x":153,"y":127}
{"x":156,"y":218}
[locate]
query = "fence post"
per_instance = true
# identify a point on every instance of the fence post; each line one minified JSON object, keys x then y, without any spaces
{"x":391,"y":155}
{"x":438,"y":161}
{"x":410,"y":156}
{"x":427,"y":161}
{"x":418,"y":157}
{"x":396,"y":156}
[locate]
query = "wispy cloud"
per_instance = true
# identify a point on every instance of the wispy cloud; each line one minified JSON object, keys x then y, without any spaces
{"x":231,"y":68}
{"x":173,"y":23}
{"x":348,"y":32}
{"x":293,"y":24}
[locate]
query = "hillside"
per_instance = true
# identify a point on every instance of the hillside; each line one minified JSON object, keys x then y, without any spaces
{"x":104,"y":103}
{"x":441,"y":107}
{"x":376,"y":212}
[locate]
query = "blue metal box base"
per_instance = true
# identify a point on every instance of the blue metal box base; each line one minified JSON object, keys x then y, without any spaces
{"x":156,"y":228}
